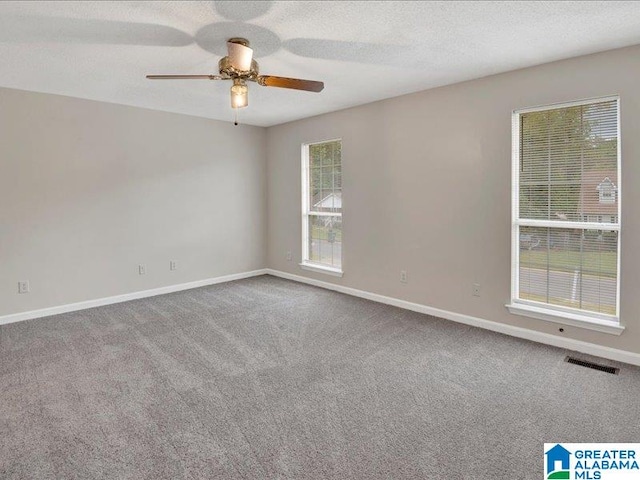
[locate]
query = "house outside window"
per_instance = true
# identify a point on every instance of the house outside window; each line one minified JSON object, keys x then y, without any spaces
{"x":607,"y":191}
{"x":566,"y":211}
{"x":322,"y":207}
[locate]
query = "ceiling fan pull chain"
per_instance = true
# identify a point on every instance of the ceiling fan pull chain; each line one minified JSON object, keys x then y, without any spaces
{"x":235,"y":122}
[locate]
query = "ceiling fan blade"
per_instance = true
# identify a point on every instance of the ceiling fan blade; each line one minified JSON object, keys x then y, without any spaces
{"x":240,"y":56}
{"x":185,"y":77}
{"x":295,"y":83}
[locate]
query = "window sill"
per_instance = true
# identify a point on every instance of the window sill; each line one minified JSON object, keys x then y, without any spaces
{"x":566,"y":318}
{"x":313,"y":267}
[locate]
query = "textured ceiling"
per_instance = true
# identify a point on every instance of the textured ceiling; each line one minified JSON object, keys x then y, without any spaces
{"x":363,"y":51}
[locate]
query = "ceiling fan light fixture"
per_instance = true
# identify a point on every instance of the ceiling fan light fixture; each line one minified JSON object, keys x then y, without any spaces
{"x":239,"y":93}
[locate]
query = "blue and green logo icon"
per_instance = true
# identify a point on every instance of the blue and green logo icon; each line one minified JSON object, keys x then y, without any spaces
{"x":558,"y":461}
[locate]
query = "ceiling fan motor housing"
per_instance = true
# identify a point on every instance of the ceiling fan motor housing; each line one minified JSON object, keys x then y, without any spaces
{"x":225,"y":67}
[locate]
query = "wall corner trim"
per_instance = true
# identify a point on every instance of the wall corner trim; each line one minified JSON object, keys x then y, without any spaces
{"x":99,"y":302}
{"x":513,"y":331}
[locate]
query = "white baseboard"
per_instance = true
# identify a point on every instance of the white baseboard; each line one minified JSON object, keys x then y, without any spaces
{"x":568,"y":343}
{"x":553,"y":340}
{"x":72,"y":307}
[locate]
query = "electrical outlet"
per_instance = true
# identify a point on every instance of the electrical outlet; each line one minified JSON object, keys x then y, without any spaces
{"x":403,"y":276}
{"x":173,"y":265}
{"x":289,"y":256}
{"x":476,"y":289}
{"x":23,"y":287}
{"x":142,"y":270}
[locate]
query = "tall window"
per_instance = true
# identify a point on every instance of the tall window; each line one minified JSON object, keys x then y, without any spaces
{"x":322,"y":206}
{"x":566,"y":213}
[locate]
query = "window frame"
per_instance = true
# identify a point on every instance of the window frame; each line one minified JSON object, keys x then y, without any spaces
{"x":306,"y":263}
{"x":558,"y":314}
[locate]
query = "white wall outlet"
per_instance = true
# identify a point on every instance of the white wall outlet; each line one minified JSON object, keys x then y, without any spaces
{"x":173,"y":265}
{"x":142,"y":270}
{"x":289,"y":256}
{"x":403,"y":276}
{"x":476,"y":289}
{"x":23,"y":287}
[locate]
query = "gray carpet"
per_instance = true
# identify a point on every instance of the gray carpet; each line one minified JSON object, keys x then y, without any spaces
{"x":269,"y":379}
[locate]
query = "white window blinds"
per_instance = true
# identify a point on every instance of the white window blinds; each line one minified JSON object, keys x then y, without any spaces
{"x":322,"y":205}
{"x":567,"y":208}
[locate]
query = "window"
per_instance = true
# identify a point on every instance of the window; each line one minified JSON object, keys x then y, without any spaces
{"x":566,"y":204}
{"x":322,"y":207}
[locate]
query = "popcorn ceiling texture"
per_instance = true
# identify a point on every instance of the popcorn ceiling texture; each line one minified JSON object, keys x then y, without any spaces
{"x":363,"y":51}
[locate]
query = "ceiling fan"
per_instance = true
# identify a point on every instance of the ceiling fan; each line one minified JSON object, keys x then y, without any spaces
{"x":240,"y":66}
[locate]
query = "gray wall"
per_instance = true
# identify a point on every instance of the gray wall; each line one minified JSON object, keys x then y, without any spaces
{"x":89,"y":190}
{"x":427,"y":181}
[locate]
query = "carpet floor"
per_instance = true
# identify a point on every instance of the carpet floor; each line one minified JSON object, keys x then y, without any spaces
{"x":265,"y":378}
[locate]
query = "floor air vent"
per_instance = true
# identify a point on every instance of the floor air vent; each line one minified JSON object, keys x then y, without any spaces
{"x":595,"y":366}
